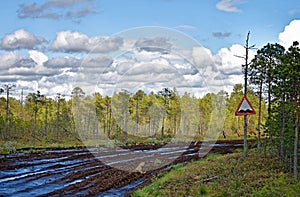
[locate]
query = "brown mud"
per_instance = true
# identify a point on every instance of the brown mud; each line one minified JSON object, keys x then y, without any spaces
{"x":94,"y":172}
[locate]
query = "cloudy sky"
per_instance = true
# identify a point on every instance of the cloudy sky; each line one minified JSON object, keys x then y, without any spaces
{"x":109,"y":45}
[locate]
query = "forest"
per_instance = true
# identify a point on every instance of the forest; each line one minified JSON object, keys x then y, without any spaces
{"x":157,"y":115}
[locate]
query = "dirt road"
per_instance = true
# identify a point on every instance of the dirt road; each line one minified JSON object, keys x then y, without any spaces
{"x":95,"y":171}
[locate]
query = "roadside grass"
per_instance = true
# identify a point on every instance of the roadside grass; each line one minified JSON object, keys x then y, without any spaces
{"x":226,"y":175}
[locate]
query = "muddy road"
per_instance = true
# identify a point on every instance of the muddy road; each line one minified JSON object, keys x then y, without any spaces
{"x":95,"y":171}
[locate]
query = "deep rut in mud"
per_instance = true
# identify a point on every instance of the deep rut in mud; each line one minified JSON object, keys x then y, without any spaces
{"x":94,"y":172}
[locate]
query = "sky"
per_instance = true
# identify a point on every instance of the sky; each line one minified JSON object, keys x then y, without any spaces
{"x":112,"y":45}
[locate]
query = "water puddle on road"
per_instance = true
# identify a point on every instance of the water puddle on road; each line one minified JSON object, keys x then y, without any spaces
{"x":123,"y":190}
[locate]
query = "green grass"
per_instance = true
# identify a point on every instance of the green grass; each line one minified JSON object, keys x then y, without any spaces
{"x":228,"y":175}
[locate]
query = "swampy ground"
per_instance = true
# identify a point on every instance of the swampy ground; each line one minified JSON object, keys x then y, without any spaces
{"x":99,"y":171}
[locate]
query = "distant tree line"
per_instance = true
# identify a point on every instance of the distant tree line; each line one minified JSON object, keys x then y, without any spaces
{"x":163,"y":114}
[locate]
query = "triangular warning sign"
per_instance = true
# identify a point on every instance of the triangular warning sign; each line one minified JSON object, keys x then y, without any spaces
{"x":244,"y":108}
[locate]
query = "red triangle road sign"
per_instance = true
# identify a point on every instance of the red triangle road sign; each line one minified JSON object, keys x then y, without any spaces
{"x":244,"y":108}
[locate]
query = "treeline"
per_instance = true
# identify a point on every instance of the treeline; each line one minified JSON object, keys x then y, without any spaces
{"x":275,"y":77}
{"x":159,"y":115}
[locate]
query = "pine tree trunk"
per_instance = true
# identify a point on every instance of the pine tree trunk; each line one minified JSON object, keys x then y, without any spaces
{"x":126,"y":124}
{"x":149,"y":126}
{"x":46,"y":120}
{"x":137,"y":117}
{"x":163,"y":124}
{"x":34,"y":122}
{"x":269,"y":103}
{"x":296,"y":141}
{"x":175,"y":125}
{"x":259,"y":115}
{"x":282,"y":129}
{"x":57,"y":120}
{"x":109,"y":123}
{"x":7,"y":115}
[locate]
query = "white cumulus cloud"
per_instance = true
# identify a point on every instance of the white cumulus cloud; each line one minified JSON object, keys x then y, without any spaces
{"x":21,"y":39}
{"x":290,"y":34}
{"x":8,"y":59}
{"x":228,"y":61}
{"x":67,"y":41}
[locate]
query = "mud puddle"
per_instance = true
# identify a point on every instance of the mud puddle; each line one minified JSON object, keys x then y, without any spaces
{"x":93,"y":172}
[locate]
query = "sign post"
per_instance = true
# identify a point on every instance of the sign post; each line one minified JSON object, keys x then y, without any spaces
{"x":245,"y":68}
{"x":245,"y":108}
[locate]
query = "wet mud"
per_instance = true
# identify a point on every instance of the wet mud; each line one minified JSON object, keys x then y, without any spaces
{"x":96,"y":171}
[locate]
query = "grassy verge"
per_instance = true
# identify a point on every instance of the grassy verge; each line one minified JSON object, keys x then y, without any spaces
{"x":228,"y":175}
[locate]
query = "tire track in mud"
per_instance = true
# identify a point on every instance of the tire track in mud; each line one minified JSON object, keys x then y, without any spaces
{"x":84,"y":172}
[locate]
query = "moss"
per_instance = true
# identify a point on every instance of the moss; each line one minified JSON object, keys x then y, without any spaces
{"x":227,"y":175}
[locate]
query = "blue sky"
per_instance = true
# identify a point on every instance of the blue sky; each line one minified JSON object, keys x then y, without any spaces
{"x":199,"y":19}
{"x":220,"y":26}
